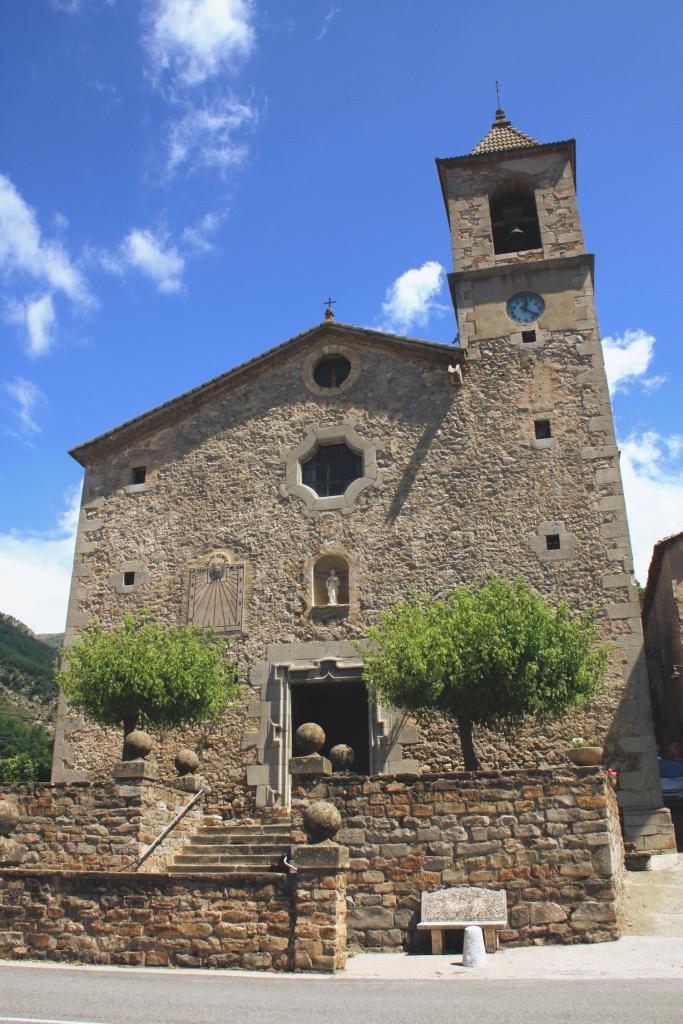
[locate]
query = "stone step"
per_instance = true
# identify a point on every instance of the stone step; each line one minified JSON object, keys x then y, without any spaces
{"x":209,"y":849}
{"x":202,"y":852}
{"x":244,"y":830}
{"x":213,"y":865}
{"x":261,"y":859}
{"x":243,"y":842}
{"x":223,"y":869}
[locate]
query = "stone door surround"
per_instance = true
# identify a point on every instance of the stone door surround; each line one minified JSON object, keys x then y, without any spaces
{"x":270,"y":715}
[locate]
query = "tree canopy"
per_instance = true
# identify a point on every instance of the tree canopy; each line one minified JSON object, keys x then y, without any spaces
{"x":142,"y":673}
{"x":487,"y":655}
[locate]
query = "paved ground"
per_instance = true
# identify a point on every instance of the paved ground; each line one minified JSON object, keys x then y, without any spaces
{"x":638,"y":978}
{"x":30,"y":993}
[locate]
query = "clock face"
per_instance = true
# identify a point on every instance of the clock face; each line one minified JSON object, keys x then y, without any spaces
{"x":525,"y":307}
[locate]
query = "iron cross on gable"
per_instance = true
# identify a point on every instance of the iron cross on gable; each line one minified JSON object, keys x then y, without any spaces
{"x":329,"y":313}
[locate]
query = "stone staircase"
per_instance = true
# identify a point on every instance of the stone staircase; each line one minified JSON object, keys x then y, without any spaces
{"x":232,"y":846}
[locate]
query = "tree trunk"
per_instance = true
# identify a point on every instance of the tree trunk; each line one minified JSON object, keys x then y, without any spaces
{"x":129,"y":724}
{"x":469,"y":756}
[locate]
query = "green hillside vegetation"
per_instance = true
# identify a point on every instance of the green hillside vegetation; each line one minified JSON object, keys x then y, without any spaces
{"x":27,"y":665}
{"x":28,"y":694}
{"x":20,"y":735}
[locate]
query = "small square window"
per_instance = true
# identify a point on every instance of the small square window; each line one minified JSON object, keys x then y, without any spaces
{"x":552,"y":541}
{"x":542,"y":429}
{"x":528,"y":336}
{"x":139,"y":474}
{"x":129,"y":579}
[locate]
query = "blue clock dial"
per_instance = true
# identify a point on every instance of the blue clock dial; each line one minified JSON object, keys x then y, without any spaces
{"x":525,"y":307}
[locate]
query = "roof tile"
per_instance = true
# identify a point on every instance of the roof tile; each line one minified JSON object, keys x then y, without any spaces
{"x":502,"y":136}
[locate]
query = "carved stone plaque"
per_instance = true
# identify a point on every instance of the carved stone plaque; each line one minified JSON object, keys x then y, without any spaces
{"x":216,"y":596}
{"x":466,"y":904}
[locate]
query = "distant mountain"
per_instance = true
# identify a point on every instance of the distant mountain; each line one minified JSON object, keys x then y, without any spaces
{"x":28,"y":695}
{"x":53,"y":640}
{"x":27,"y":664}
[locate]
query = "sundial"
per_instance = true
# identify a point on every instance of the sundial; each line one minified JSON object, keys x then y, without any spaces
{"x":216,"y":595}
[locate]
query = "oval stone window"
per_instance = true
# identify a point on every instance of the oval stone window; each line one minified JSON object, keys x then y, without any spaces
{"x":331,"y":371}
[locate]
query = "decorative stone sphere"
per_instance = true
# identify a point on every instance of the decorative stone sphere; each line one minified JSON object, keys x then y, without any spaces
{"x":322,"y":820}
{"x":186,"y":762}
{"x":9,"y":817}
{"x":309,"y":738}
{"x":342,"y":757}
{"x":137,"y":744}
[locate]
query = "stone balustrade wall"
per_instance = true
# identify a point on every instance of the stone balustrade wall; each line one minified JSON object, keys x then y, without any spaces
{"x":99,"y":827}
{"x":269,"y":922}
{"x":551,"y":839}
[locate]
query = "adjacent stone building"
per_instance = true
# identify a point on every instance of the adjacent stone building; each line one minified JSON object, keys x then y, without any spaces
{"x":290,"y":500}
{"x":663,"y":628}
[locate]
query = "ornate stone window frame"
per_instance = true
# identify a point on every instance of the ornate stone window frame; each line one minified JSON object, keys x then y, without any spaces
{"x":325,"y":351}
{"x":342,"y":433}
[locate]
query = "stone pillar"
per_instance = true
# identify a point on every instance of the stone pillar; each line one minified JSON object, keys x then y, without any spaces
{"x":319,"y":933}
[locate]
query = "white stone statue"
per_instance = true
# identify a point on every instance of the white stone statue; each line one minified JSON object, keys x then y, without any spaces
{"x":332,"y":584}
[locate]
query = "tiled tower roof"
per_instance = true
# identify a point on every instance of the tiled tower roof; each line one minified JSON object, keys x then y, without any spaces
{"x":502,"y":136}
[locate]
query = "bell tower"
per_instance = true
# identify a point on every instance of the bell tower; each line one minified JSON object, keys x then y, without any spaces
{"x":520,"y":260}
{"x":522,"y":287}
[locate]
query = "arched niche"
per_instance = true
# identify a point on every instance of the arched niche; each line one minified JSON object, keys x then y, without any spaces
{"x":331,"y":583}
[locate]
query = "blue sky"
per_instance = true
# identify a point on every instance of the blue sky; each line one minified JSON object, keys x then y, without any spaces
{"x":183,"y":182}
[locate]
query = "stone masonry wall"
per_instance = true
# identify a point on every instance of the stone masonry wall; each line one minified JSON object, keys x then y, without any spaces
{"x":253,"y":921}
{"x":105,"y":826}
{"x":463,"y":492}
{"x":550,"y":839}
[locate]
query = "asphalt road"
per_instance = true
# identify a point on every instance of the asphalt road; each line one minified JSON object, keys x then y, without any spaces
{"x":29,"y":994}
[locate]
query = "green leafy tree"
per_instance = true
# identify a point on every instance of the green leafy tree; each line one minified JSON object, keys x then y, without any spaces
{"x":486,"y":656}
{"x":17,"y":769}
{"x":144,"y":674}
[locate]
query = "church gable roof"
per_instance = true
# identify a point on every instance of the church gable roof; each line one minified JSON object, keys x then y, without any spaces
{"x":328,"y":330}
{"x":502,"y":135}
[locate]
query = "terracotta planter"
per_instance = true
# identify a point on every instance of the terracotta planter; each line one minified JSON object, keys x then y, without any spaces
{"x":585,"y":756}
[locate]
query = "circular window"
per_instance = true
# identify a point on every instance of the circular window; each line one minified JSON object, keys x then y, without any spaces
{"x":331,"y":371}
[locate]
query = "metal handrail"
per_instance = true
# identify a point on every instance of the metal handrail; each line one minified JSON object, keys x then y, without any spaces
{"x":162,"y":835}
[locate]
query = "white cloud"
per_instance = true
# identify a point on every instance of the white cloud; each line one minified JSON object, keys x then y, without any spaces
{"x":37,"y":317}
{"x":653,"y":383}
{"x":75,"y":6}
{"x":26,"y":396}
{"x":627,"y":358}
{"x":25,"y":254}
{"x":329,"y":17}
{"x":197,"y":237}
{"x":153,"y":256}
{"x":205,"y":136}
{"x":22,"y":249}
{"x":35,"y":571}
{"x":410,"y":299}
{"x":197,"y":39}
{"x":652,"y":471}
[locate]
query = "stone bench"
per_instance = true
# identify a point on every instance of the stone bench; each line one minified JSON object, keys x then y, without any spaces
{"x":450,"y":909}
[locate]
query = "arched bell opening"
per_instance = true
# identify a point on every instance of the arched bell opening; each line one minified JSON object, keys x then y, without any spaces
{"x":514,"y":219}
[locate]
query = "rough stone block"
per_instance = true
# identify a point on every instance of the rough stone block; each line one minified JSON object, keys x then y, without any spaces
{"x":320,"y":856}
{"x":310,"y":765}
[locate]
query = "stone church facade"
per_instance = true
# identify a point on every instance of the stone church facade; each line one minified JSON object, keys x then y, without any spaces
{"x":387,"y":465}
